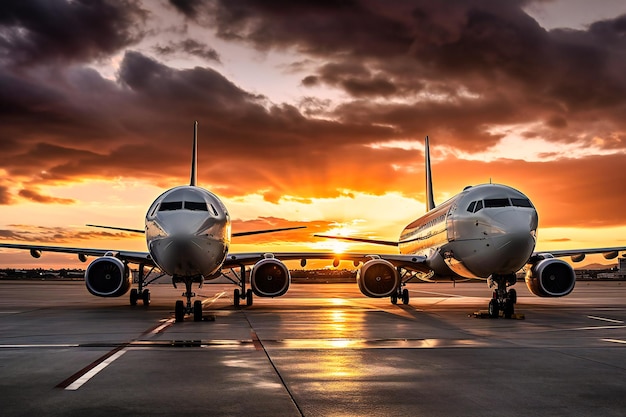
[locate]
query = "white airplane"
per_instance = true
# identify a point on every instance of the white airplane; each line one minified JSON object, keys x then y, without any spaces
{"x":487,"y":232}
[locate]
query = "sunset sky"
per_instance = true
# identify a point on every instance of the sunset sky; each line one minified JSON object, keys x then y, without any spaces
{"x":310,"y":113}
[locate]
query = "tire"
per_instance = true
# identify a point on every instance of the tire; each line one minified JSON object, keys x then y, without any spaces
{"x":197,"y":310}
{"x":145,"y":297}
{"x":494,"y":308}
{"x":133,"y":297}
{"x":249,"y":298}
{"x":179,"y":311}
{"x":405,"y":296}
{"x":512,"y":294}
{"x":236,"y":297}
{"x":508,"y":309}
{"x":394,"y":298}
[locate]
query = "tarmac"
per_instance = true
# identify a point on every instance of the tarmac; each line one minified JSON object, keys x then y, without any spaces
{"x":320,"y":350}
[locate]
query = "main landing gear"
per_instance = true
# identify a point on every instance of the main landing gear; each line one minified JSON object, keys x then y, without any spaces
{"x":400,"y":294}
{"x":502,"y":300}
{"x":241,"y":293}
{"x":141,"y":293}
{"x":180,"y":309}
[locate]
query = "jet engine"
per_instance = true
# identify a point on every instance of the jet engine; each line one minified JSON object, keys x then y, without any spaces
{"x":107,"y":276}
{"x":550,"y":278}
{"x":270,"y":278}
{"x":378,"y":278}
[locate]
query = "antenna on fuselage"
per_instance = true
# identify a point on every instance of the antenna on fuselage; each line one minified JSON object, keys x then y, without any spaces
{"x":430,"y":200}
{"x":194,"y":155}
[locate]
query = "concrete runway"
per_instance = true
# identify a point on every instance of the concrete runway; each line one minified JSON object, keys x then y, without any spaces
{"x":321,"y":350}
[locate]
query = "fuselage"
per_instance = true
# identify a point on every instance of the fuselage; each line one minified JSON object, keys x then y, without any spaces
{"x":484,"y":230}
{"x":188,"y":232}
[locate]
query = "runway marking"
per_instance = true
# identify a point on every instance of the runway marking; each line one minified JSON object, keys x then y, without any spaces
{"x":58,"y":345}
{"x":605,"y":319}
{"x":79,"y":378}
{"x":161,"y":328}
{"x":439,"y":293}
{"x":598,"y":328}
{"x":95,"y":370}
{"x":622,"y":342}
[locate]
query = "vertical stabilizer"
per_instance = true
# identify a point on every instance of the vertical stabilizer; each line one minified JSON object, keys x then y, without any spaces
{"x":430,"y":201}
{"x":194,"y":155}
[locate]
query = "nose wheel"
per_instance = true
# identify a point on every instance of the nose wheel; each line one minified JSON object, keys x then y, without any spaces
{"x":181,"y":309}
{"x":503,"y":300}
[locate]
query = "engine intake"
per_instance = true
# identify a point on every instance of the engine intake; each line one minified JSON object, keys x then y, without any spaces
{"x":550,"y":278}
{"x":270,"y":278}
{"x":107,"y":276}
{"x":378,"y":278}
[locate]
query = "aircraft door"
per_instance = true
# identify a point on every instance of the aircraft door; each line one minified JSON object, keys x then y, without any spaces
{"x":450,"y":223}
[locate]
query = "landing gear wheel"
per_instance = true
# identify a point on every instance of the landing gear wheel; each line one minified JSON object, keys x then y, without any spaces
{"x":512,"y":295}
{"x":197,"y":310}
{"x":508,"y":308}
{"x":236,"y":297}
{"x":405,"y":296}
{"x":179,"y":311}
{"x":394,"y":298}
{"x":145,"y":297}
{"x":494,"y":308}
{"x":133,"y":297}
{"x":249,"y":298}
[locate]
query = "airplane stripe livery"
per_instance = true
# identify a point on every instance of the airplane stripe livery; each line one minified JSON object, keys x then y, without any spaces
{"x":487,"y":232}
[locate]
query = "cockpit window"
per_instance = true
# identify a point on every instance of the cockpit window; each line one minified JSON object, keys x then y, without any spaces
{"x":497,"y":202}
{"x":196,"y":206}
{"x":479,"y":206}
{"x":470,"y":208}
{"x":521,"y":202}
{"x":171,"y":205}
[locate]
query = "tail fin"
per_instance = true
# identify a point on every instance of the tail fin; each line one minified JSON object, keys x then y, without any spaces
{"x":430,"y":201}
{"x":194,"y":155}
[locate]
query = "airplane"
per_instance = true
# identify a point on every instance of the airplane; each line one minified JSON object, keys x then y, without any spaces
{"x":487,"y":232}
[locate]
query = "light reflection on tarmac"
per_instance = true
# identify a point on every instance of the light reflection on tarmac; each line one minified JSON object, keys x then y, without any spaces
{"x":321,"y":350}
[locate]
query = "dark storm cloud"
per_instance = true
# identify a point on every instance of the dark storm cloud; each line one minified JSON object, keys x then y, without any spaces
{"x":490,"y":50}
{"x":191,"y":47}
{"x":43,"y":30}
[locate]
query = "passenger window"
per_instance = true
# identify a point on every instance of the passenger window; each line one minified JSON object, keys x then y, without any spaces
{"x":521,"y":202}
{"x":497,"y":202}
{"x":470,"y":208}
{"x":171,"y":205}
{"x":196,"y":206}
{"x":479,"y":206}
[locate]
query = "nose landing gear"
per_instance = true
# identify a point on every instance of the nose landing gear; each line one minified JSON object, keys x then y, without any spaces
{"x":180,"y":309}
{"x":503,"y":300}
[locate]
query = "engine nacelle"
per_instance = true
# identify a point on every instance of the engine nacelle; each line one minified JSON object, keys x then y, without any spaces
{"x":270,"y":278}
{"x":550,"y":278}
{"x":107,"y":276}
{"x":378,"y":278}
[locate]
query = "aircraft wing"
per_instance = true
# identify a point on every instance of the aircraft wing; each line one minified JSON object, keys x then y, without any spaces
{"x":130,"y":256}
{"x":608,"y":253}
{"x":411,"y":262}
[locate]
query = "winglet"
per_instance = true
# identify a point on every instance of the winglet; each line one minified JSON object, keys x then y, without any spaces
{"x":194,"y":155}
{"x":430,"y":201}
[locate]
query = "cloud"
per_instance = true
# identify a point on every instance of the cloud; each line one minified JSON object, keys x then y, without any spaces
{"x":37,"y":197}
{"x":461,"y":72}
{"x":34,"y":31}
{"x":56,"y":235}
{"x":190,"y":46}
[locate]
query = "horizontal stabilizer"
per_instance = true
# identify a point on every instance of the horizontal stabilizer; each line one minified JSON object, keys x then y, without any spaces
{"x":358,"y":239}
{"x":125,"y":229}
{"x":258,"y":232}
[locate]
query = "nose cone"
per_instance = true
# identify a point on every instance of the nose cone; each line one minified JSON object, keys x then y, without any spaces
{"x":513,"y":239}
